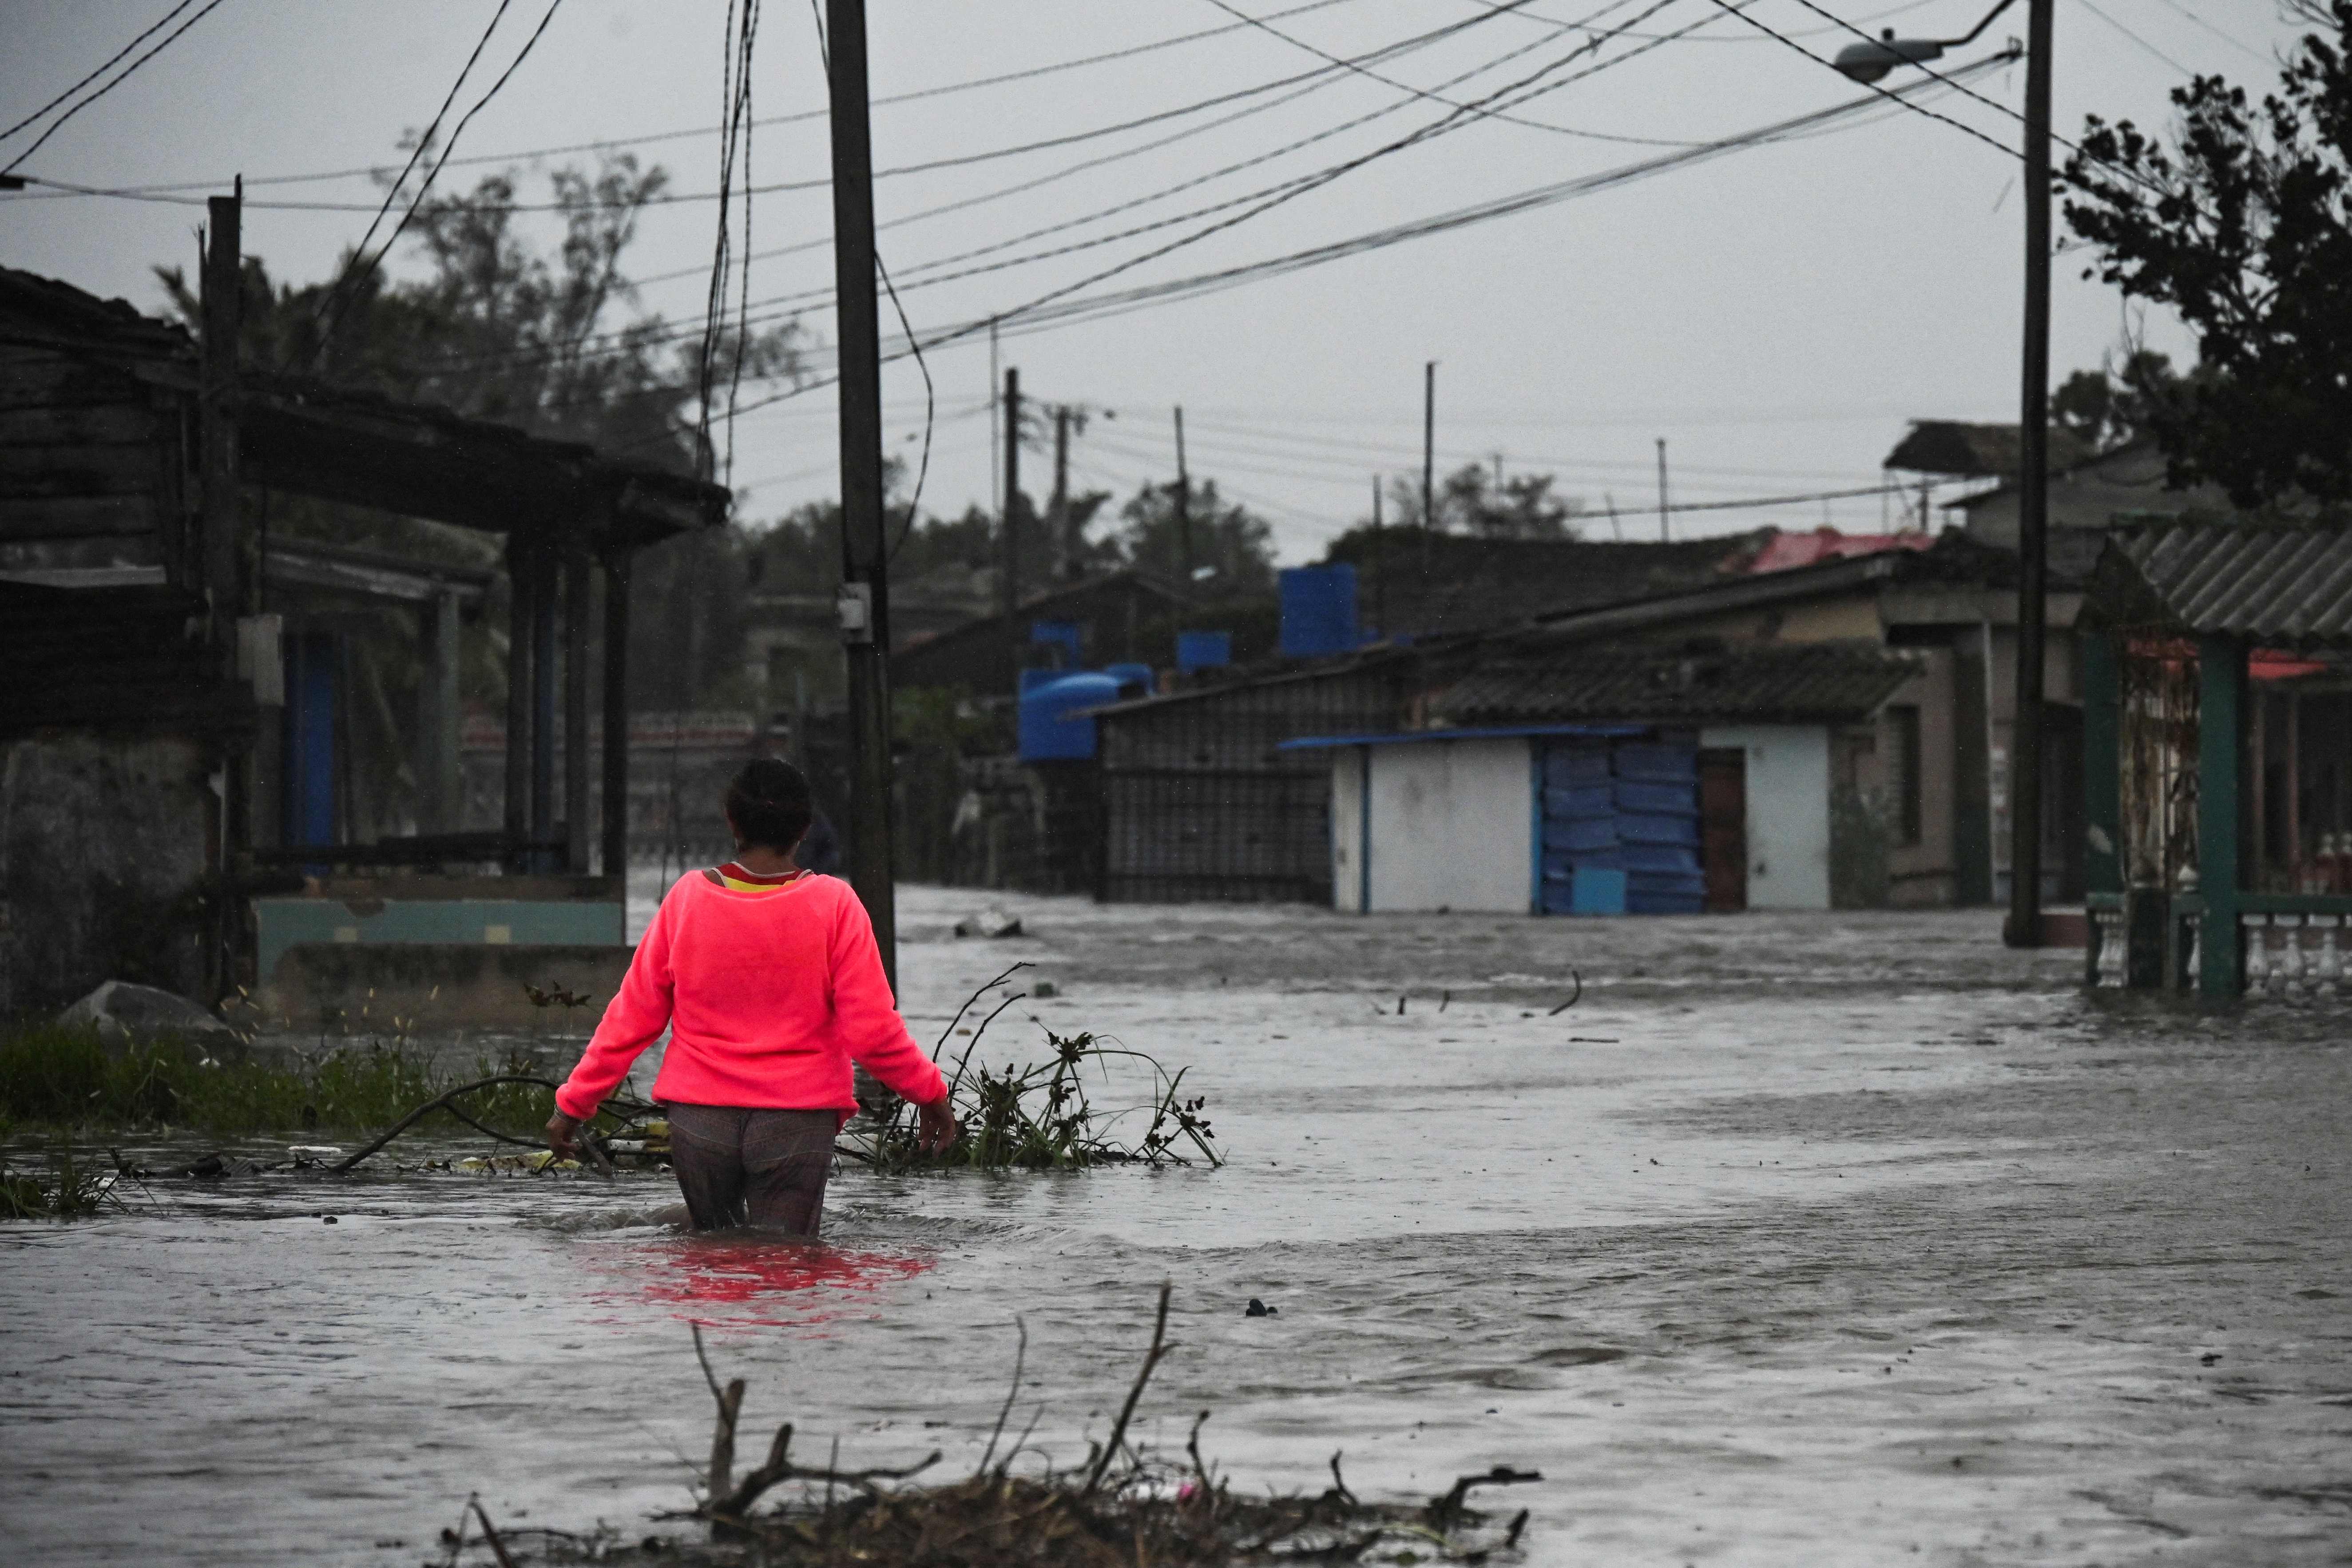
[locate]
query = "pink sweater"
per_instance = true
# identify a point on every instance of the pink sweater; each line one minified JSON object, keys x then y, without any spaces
{"x":770,"y":994}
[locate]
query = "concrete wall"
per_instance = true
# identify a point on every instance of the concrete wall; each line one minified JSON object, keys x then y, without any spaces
{"x":1452,"y":826}
{"x":1788,"y":812}
{"x":346,"y":991}
{"x":103,"y":849}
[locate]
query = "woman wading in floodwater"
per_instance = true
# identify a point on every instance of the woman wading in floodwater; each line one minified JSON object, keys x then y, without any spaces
{"x":769,"y":982}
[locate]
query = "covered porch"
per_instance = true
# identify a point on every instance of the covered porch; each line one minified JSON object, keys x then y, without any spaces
{"x":2217,"y":716}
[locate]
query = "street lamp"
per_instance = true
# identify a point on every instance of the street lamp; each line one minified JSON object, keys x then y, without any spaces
{"x":1866,"y":62}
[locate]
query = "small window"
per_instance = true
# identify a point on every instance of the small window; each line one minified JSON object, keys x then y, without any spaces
{"x":1903,"y":771}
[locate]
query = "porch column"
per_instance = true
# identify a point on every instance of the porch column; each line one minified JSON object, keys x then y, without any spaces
{"x":2102,"y":766}
{"x":441,"y":795}
{"x":543,"y":605}
{"x":2221,"y":772}
{"x":616,"y":821}
{"x":521,"y":579}
{"x":575,"y":708}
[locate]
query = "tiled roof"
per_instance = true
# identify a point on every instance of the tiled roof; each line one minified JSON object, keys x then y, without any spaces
{"x":1818,"y":682}
{"x":2282,"y":585}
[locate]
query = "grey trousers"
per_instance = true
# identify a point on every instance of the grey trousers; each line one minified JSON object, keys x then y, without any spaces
{"x":737,"y":1165}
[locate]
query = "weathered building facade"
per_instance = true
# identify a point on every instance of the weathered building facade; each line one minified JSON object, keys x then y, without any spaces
{"x":154,"y":732}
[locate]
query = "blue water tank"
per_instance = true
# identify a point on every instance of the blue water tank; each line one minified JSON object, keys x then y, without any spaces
{"x":1204,"y":651}
{"x":1318,"y":611}
{"x":1130,"y":676}
{"x":1050,"y":729}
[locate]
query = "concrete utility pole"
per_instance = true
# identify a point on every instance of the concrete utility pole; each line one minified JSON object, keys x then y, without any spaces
{"x":2023,"y":927}
{"x":1183,"y":513}
{"x":1064,"y":546}
{"x":865,"y":555}
{"x":1008,"y":570}
{"x":1380,"y":578}
{"x":1664,"y":534}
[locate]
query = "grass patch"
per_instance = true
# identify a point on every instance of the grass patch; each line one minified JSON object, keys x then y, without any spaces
{"x":62,"y":1187}
{"x":70,"y":1080}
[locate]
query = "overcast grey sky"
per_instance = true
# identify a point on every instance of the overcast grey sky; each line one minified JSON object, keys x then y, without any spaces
{"x":1776,"y":314}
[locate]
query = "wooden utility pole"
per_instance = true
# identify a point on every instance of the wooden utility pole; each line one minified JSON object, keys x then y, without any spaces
{"x":220,"y":563}
{"x":2023,"y":927}
{"x":1064,"y":546}
{"x":865,"y":555}
{"x":1664,"y":534}
{"x":1008,"y":569}
{"x":1183,"y":513}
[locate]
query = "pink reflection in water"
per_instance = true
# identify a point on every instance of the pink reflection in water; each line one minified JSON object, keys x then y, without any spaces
{"x":746,"y":1280}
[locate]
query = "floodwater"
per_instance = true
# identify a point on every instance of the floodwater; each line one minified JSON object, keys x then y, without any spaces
{"x":1802,"y":1239}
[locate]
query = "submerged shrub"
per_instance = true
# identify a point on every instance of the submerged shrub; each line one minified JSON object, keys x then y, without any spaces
{"x":1039,"y":1117}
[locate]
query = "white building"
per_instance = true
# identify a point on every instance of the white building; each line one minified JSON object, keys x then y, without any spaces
{"x":1640,"y":782}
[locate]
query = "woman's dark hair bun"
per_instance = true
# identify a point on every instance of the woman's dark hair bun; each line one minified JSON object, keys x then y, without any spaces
{"x":769,"y":804}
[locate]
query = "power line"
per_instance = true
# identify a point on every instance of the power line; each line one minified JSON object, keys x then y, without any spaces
{"x":1433,"y":97}
{"x":1964,"y":130}
{"x":1023,"y":186}
{"x":334,"y":300}
{"x":128,"y":72}
{"x":1281,"y":190}
{"x":958,"y":160}
{"x":1055,"y":311}
{"x":2251,"y":53}
{"x":425,"y":142}
{"x":2135,"y":38}
{"x":101,"y":70}
{"x":529,"y":154}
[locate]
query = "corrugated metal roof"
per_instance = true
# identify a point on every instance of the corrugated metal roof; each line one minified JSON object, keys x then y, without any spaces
{"x":1793,"y":683}
{"x":2280,"y":585}
{"x":1493,"y":732}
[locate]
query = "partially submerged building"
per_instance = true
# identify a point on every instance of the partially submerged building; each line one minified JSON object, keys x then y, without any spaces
{"x":166,"y":734}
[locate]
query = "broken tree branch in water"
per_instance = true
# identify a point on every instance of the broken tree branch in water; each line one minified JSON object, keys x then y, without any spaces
{"x":1020,"y":1359}
{"x":1572,"y":1000}
{"x":1160,"y":1347}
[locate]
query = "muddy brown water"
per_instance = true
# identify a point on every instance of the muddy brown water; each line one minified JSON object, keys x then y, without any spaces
{"x":1804,"y":1240}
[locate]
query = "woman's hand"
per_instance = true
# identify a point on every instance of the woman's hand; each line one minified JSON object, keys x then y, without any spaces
{"x":936,"y":1127}
{"x":560,"y":1129}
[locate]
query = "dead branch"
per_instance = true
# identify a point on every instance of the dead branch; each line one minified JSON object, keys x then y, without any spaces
{"x":970,"y":1001}
{"x":1192,"y":1446}
{"x":1020,"y":1359}
{"x":721,"y":1478}
{"x":1572,"y":1000}
{"x":1339,"y":1482}
{"x":1160,"y":1347}
{"x":1445,"y":1510}
{"x":441,"y":1102}
{"x":490,"y":1533}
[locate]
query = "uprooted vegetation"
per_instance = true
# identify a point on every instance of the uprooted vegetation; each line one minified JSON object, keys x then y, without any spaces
{"x":1039,"y":1116}
{"x":1121,"y":1507}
